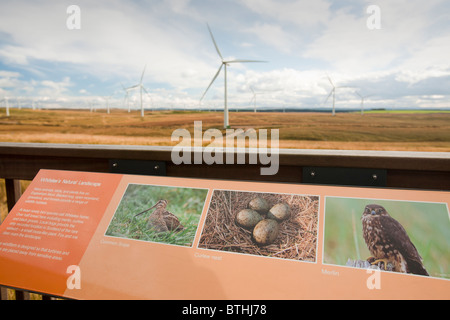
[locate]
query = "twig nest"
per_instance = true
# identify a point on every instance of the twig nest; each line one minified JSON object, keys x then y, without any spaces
{"x":279,"y":212}
{"x":248,"y":218}
{"x":265,"y":232}
{"x":259,"y":204}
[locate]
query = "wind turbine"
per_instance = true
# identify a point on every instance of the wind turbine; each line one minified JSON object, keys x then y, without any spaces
{"x":333,"y":92}
{"x":127,"y":91}
{"x":107,"y":103}
{"x":362,"y":101}
{"x":141,"y":87}
{"x":224,"y":64}
{"x":6,"y":105}
{"x":253,"y":99}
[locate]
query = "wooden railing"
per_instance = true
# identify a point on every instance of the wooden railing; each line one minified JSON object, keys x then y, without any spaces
{"x":417,"y":170}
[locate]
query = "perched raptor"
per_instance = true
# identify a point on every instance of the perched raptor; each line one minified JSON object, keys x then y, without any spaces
{"x":388,"y":241}
{"x":162,"y":220}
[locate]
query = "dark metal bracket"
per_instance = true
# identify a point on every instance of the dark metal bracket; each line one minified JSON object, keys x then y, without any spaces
{"x":139,"y":167}
{"x":345,"y":176}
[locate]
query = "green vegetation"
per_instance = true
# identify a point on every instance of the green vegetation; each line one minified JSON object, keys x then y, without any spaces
{"x":406,"y":111}
{"x":186,"y":203}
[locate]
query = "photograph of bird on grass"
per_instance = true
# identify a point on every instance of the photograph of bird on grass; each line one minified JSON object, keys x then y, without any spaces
{"x":161,"y":214}
{"x":395,"y":236}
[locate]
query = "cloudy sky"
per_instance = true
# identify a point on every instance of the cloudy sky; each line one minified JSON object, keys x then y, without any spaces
{"x":398,"y":55}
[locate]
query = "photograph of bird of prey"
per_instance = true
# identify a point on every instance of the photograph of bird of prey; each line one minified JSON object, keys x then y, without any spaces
{"x":405,"y":237}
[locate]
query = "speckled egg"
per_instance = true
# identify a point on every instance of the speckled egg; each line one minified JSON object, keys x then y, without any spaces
{"x":265,"y":232}
{"x":248,"y":218}
{"x":259,"y":204}
{"x":279,"y":212}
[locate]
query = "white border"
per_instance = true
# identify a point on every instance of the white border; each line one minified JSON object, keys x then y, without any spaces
{"x":369,"y":199}
{"x":263,"y":256}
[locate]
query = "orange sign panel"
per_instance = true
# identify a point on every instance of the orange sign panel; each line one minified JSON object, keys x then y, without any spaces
{"x":110,"y":236}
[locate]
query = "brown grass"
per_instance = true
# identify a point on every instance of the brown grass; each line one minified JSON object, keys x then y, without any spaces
{"x":297,"y":238}
{"x":350,"y":131}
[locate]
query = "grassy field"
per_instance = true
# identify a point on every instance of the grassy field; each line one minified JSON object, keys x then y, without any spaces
{"x":411,"y":131}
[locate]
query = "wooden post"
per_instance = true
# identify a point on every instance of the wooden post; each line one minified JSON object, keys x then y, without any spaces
{"x":13,"y":192}
{"x":3,"y":293}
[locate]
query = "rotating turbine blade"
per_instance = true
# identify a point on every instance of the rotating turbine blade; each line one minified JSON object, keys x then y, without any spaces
{"x":331,"y":92}
{"x":217,"y":74}
{"x":214,"y":41}
{"x":132,"y":87}
{"x":242,"y":60}
{"x":142,"y":76}
{"x":329,"y":79}
{"x":146,"y":91}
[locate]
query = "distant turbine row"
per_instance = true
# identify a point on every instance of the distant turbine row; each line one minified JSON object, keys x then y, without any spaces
{"x":6,"y":101}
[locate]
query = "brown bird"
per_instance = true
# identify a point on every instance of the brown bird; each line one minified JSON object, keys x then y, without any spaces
{"x":162,"y":220}
{"x":388,"y":241}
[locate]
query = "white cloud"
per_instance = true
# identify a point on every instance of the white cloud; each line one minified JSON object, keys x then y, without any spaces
{"x":115,"y":39}
{"x":302,"y":13}
{"x":301,"y":40}
{"x":54,"y":88}
{"x":407,"y":26}
{"x":273,"y":35}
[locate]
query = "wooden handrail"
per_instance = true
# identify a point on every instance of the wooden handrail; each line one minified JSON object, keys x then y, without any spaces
{"x":425,"y":170}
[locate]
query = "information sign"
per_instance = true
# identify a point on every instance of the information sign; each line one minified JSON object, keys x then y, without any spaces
{"x":111,"y":236}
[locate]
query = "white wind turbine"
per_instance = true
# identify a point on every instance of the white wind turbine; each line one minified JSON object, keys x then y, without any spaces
{"x":253,"y":99}
{"x":141,"y":87}
{"x":333,"y":92}
{"x":6,"y":105}
{"x":127,"y":92}
{"x":362,"y":101}
{"x":107,"y":103}
{"x":224,"y":64}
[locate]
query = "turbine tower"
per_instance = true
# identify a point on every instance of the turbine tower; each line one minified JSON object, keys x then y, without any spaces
{"x":253,"y":99}
{"x":362,"y":101}
{"x":141,"y":87}
{"x":333,"y":92}
{"x":223,"y":64}
{"x":6,"y":105}
{"x":127,"y":91}
{"x":107,"y":103}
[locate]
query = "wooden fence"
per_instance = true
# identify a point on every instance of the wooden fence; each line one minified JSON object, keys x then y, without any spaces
{"x":416,"y":170}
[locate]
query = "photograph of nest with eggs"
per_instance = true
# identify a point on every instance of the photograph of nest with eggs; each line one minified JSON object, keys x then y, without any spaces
{"x":264,"y":224}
